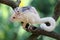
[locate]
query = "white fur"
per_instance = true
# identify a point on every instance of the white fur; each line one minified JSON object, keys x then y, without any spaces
{"x":32,"y":17}
{"x":51,"y":21}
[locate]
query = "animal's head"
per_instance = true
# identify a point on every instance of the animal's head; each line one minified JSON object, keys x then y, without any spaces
{"x":17,"y":15}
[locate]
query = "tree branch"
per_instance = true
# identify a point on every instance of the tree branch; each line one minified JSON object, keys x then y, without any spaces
{"x":57,"y":11}
{"x":38,"y":31}
{"x":10,"y":3}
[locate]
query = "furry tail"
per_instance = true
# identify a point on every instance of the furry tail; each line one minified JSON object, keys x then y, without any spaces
{"x":48,"y":24}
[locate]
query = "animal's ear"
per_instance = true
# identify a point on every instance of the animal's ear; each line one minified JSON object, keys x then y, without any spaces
{"x":17,"y":10}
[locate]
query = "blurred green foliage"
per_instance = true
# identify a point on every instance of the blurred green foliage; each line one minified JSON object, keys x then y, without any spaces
{"x":14,"y":31}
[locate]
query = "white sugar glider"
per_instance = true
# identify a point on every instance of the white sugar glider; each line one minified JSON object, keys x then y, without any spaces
{"x":30,"y":15}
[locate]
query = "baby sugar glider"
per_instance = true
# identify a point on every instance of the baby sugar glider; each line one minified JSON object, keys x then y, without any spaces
{"x":30,"y":15}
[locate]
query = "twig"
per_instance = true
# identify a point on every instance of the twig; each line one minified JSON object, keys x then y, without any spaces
{"x":14,"y":36}
{"x":18,"y":2}
{"x":33,"y":37}
{"x":10,"y":3}
{"x":57,"y":11}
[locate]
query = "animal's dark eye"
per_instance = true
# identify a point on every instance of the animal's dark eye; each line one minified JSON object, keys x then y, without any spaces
{"x":17,"y":11}
{"x":13,"y":17}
